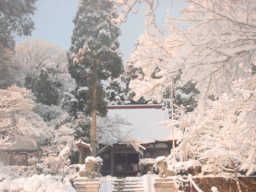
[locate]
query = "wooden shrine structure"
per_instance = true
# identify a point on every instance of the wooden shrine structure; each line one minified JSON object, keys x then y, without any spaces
{"x":18,"y":152}
{"x":121,"y":159}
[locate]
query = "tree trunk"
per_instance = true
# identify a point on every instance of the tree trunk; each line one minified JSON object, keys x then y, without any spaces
{"x":94,"y":111}
{"x":236,"y":178}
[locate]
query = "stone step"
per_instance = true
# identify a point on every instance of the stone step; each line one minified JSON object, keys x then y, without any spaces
{"x":129,"y":191}
{"x":130,"y":188}
{"x":128,"y":185}
{"x":128,"y":181}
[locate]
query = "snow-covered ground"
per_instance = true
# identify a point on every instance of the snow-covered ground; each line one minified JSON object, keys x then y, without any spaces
{"x":36,"y":183}
{"x":14,"y":179}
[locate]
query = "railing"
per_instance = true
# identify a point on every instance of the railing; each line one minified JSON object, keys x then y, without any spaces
{"x":180,"y":180}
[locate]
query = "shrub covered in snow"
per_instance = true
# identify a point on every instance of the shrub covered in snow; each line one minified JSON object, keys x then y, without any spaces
{"x":36,"y":183}
{"x":59,"y":164}
{"x":7,"y":173}
{"x":23,"y":171}
{"x":186,"y":167}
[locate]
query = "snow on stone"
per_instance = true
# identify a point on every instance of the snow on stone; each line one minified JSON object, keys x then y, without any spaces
{"x":98,"y":159}
{"x":90,"y":158}
{"x":161,"y":158}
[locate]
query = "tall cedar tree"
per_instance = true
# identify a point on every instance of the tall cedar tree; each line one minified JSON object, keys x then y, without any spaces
{"x":93,"y":55}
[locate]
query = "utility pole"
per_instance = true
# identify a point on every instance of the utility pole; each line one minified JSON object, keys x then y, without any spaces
{"x":173,"y":141}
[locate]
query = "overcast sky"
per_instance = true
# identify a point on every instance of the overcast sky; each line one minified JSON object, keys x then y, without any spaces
{"x":53,"y":22}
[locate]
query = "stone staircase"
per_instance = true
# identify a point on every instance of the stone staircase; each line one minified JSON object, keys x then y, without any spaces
{"x":129,"y":184}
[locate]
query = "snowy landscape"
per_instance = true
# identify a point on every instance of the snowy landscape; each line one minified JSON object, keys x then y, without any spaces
{"x":179,"y":108}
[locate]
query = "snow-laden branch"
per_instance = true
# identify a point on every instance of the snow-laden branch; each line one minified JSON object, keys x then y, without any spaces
{"x":16,"y":115}
{"x":217,"y":46}
{"x":224,"y":133}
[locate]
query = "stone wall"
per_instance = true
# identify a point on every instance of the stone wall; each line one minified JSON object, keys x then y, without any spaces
{"x":224,"y":184}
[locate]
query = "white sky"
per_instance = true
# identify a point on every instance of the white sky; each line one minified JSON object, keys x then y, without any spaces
{"x":144,"y":123}
{"x":53,"y":22}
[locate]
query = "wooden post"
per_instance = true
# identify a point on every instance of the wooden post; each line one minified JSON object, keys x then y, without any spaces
{"x":94,"y":112}
{"x":81,"y":154}
{"x":26,"y":159}
{"x":173,"y":141}
{"x":112,"y":162}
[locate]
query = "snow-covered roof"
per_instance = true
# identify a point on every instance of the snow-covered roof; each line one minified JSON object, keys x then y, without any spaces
{"x":20,"y":145}
{"x":144,"y":121}
{"x":86,"y":145}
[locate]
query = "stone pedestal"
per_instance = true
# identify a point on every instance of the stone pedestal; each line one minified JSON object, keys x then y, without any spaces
{"x":163,"y":185}
{"x":84,"y":184}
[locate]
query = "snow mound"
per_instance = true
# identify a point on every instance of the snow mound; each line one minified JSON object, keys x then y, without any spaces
{"x":161,"y":158}
{"x":90,"y":158}
{"x":36,"y":183}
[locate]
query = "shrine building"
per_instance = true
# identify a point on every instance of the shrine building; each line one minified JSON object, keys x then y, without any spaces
{"x":121,"y":159}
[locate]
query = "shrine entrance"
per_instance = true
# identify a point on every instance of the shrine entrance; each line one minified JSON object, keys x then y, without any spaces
{"x":126,"y":164}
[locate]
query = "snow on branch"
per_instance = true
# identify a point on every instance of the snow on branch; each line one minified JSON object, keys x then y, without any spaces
{"x":16,"y":115}
{"x":224,"y":133}
{"x":116,"y":130}
{"x":216,"y":46}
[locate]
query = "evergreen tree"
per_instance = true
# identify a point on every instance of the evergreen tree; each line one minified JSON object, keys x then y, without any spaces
{"x":7,"y":68}
{"x":93,"y":55}
{"x":184,"y":98}
{"x":45,"y":89}
{"x":43,"y":70}
{"x":74,"y":101}
{"x":15,"y":19}
{"x":115,"y":94}
{"x":131,"y":73}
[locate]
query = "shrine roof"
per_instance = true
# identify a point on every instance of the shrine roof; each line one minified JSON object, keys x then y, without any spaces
{"x":20,"y":144}
{"x":83,"y":144}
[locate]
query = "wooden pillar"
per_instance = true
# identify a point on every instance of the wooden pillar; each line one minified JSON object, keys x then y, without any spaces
{"x":169,"y":145}
{"x":81,"y":154}
{"x":13,"y":158}
{"x":26,"y":159}
{"x":80,"y":158}
{"x":140,"y":166}
{"x":112,"y":162}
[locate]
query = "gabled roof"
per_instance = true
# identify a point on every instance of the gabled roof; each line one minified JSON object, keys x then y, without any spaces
{"x":84,"y":145}
{"x":20,"y":144}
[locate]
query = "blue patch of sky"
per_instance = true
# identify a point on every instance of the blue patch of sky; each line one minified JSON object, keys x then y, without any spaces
{"x":53,"y":22}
